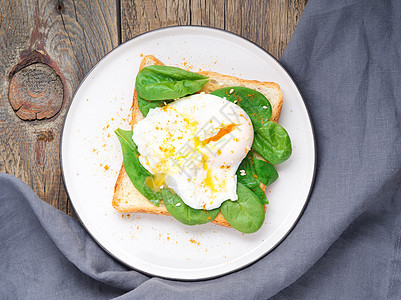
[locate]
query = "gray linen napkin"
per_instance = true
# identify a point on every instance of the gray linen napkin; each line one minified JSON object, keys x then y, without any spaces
{"x":345,"y":56}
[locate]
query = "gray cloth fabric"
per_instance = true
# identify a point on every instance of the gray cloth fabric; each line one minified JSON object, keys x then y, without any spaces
{"x":345,"y":56}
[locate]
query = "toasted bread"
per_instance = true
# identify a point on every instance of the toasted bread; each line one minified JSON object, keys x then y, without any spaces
{"x":126,"y":198}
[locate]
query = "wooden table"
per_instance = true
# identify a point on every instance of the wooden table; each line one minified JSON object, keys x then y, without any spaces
{"x":48,"y":46}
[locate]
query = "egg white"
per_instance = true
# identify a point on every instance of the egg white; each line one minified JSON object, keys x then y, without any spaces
{"x":194,"y":146}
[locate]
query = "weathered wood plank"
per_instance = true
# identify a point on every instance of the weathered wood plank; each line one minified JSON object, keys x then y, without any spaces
{"x":233,"y":16}
{"x":178,"y":12}
{"x":283,"y":17}
{"x":208,"y":13}
{"x":270,"y":24}
{"x":46,"y":49}
{"x":140,"y":16}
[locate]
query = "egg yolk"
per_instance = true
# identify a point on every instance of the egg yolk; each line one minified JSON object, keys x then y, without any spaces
{"x":194,"y":146}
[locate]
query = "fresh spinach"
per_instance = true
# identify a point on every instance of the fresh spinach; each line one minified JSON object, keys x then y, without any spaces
{"x":255,"y":104}
{"x":272,"y":142}
{"x":134,"y":169}
{"x":157,"y":84}
{"x":266,"y":173}
{"x":246,"y":214}
{"x":145,"y":105}
{"x":249,"y":177}
{"x":185,"y":214}
{"x":165,"y":82}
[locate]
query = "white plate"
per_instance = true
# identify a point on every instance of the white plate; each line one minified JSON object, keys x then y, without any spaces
{"x":91,"y":158}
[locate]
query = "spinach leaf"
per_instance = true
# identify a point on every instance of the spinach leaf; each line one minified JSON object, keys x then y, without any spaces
{"x":266,"y":173}
{"x":185,"y":214}
{"x":165,"y":82}
{"x":136,"y":172}
{"x":145,"y":105}
{"x":246,"y":214}
{"x":272,"y":142}
{"x":255,"y":104}
{"x":249,"y":177}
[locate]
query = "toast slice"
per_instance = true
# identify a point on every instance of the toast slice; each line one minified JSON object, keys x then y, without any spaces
{"x":126,"y":198}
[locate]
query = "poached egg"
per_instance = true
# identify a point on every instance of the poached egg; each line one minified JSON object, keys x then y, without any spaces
{"x":194,"y":146}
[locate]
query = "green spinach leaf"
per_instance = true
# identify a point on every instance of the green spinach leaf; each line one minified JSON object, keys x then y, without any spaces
{"x":266,"y":173}
{"x":165,"y":82}
{"x":185,"y":214}
{"x":135,"y":171}
{"x":246,"y":214}
{"x":272,"y":142}
{"x":248,"y":177}
{"x":255,"y":104}
{"x":145,"y":105}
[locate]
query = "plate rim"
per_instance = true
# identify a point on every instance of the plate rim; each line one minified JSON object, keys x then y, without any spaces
{"x":186,"y":27}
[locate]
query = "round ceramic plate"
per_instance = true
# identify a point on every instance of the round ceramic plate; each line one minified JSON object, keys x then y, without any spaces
{"x":91,"y":158}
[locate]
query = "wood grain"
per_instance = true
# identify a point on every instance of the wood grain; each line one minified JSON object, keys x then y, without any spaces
{"x":270,"y":24}
{"x":46,"y":47}
{"x":36,"y":92}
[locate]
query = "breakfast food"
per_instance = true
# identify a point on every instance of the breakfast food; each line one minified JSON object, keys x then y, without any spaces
{"x":198,"y":166}
{"x":199,"y":147}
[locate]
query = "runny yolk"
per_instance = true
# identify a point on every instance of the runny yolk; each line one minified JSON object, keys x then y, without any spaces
{"x":222,"y":132}
{"x":155,"y":182}
{"x":209,"y":180}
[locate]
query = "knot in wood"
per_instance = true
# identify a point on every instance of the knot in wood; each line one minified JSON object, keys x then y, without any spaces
{"x":36,"y":92}
{"x":60,"y":6}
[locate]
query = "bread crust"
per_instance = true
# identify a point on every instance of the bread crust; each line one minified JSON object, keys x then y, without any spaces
{"x":218,"y":81}
{"x":126,"y":198}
